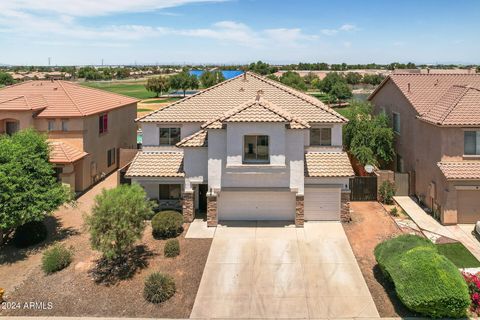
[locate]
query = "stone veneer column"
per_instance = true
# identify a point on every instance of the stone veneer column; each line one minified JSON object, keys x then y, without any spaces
{"x":212,"y":216}
{"x":345,"y":206}
{"x":188,"y":206}
{"x":299,"y":208}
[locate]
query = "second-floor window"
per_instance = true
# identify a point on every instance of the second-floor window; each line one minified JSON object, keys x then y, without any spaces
{"x":111,"y":155}
{"x":396,"y":122}
{"x":169,"y":136}
{"x":51,"y":125}
{"x":64,"y":125}
{"x":471,"y":142}
{"x":103,"y":123}
{"x":321,"y":137}
{"x":256,"y":149}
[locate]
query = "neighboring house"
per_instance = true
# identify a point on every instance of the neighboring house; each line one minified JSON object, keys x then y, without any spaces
{"x":248,"y":148}
{"x":85,"y":126}
{"x":436,"y":120}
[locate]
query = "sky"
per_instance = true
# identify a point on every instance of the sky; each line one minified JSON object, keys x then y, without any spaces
{"x":83,"y":32}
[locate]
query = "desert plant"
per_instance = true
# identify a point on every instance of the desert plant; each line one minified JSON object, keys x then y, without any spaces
{"x":56,"y":258}
{"x":425,"y":281}
{"x":394,"y":212}
{"x":29,"y":234}
{"x":167,"y":224}
{"x":158,"y":288}
{"x":387,"y":192}
{"x":172,"y":248}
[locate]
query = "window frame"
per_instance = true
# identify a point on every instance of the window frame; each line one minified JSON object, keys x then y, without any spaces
{"x":52,"y":122}
{"x":170,"y":186}
{"x":171,"y":141}
{"x":103,"y":123}
{"x":396,"y":115}
{"x":111,"y":157}
{"x":256,"y":161}
{"x":477,"y":143}
{"x":320,"y":144}
{"x":64,"y":125}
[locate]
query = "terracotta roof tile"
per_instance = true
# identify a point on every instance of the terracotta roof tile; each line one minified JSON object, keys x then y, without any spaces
{"x":215,"y":101}
{"x":328,"y":164}
{"x":63,"y":98}
{"x":198,"y":139}
{"x":156,"y":164}
{"x":461,"y":170}
{"x":22,"y":102}
{"x":62,"y":152}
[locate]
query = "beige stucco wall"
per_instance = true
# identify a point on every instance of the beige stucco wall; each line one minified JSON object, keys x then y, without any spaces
{"x":25,"y":119}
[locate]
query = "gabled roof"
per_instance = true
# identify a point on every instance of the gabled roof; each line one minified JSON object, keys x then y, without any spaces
{"x":257,"y":110}
{"x":61,"y":98}
{"x":215,"y":101}
{"x":168,"y":164}
{"x":63,"y":153}
{"x":460,"y":170}
{"x":460,"y":105}
{"x":328,"y":164}
{"x":198,"y":139}
{"x":424,"y":90}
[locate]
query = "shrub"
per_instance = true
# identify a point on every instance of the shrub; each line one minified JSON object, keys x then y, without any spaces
{"x":387,"y":191}
{"x":29,"y":234}
{"x":473,"y":282}
{"x":158,"y":288}
{"x":394,"y":212}
{"x":56,"y":258}
{"x":167,"y":224}
{"x":425,"y":281}
{"x":172,"y":248}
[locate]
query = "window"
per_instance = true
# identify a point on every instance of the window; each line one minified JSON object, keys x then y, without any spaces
{"x":471,"y":142}
{"x":64,"y":125}
{"x":11,"y":127}
{"x":111,"y":157}
{"x":169,"y":136}
{"x":170,"y":192}
{"x":51,"y":125}
{"x":321,"y":137}
{"x":103,"y":123}
{"x":396,"y":122}
{"x":256,"y":149}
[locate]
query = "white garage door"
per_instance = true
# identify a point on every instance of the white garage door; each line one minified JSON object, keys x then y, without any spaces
{"x":262,"y":205}
{"x":322,"y":203}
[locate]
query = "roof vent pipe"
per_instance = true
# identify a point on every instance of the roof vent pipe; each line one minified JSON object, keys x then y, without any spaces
{"x":244,"y":75}
{"x":408,"y":87}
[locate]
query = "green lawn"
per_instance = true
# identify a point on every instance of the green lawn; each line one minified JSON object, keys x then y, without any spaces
{"x":458,"y":254}
{"x":131,"y":89}
{"x":342,"y":111}
{"x":143,"y":110}
{"x":162,"y":100}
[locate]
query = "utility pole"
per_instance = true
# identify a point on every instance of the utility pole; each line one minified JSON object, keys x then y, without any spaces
{"x":49,"y":59}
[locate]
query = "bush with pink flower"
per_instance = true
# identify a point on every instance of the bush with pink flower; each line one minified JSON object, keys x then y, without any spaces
{"x":473,"y":282}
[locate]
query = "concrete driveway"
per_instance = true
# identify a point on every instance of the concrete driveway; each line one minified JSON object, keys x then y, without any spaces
{"x":269,"y":270}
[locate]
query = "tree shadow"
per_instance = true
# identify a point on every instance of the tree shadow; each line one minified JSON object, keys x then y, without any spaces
{"x":110,"y":272}
{"x":11,"y":254}
{"x":389,"y":287}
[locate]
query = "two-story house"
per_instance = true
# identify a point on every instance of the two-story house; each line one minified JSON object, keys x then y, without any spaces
{"x":85,"y":126}
{"x":436,"y":120}
{"x":248,"y":148}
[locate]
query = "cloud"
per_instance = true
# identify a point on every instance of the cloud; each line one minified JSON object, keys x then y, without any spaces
{"x":348,"y":27}
{"x":343,"y":28}
{"x":347,"y":44}
{"x":399,"y":43}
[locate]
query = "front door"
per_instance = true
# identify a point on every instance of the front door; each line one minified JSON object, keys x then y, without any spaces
{"x":202,"y":197}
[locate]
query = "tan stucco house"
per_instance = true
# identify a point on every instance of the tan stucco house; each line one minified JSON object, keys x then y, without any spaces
{"x":248,"y":148}
{"x":436,"y":120}
{"x":85,"y":126}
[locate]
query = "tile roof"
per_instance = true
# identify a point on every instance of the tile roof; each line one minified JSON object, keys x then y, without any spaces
{"x":62,"y":152}
{"x":156,"y":164}
{"x":460,"y":105}
{"x":257,"y":110}
{"x":215,"y":101}
{"x":61,"y":98}
{"x":328,"y":164}
{"x":198,"y":139}
{"x":424,"y":90}
{"x":461,"y":170}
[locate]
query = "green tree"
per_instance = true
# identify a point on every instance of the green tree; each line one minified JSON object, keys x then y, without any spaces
{"x":6,"y":79}
{"x":341,"y":91}
{"x":294,"y":80}
{"x":211,"y":78}
{"x":184,"y":81}
{"x":368,"y":137}
{"x":262,"y":68}
{"x":158,"y":84}
{"x":373,"y":79}
{"x":330,"y":80}
{"x":28,"y":187}
{"x":273,"y":77}
{"x":118,"y":219}
{"x":353,"y":78}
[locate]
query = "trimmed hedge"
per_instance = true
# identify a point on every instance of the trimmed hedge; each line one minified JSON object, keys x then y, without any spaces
{"x":425,"y":281}
{"x":29,"y":234}
{"x":172,"y":248}
{"x":158,"y":287}
{"x":167,"y":224}
{"x":56,"y":258}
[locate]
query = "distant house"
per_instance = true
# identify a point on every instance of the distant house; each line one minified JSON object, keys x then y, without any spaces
{"x":85,"y":126}
{"x":436,"y":120}
{"x":248,"y":148}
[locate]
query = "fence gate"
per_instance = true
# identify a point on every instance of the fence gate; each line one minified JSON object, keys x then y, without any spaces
{"x":363,"y":189}
{"x":401,"y":184}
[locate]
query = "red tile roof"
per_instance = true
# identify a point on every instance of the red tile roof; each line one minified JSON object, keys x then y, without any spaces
{"x":461,"y":170}
{"x":62,"y":152}
{"x":60,"y":99}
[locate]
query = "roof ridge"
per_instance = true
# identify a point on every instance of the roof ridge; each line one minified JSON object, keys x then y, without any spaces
{"x":70,"y":97}
{"x":434,"y":74}
{"x":454,"y":104}
{"x":190,"y":137}
{"x":14,"y":98}
{"x":189,"y":97}
{"x":303,"y":96}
